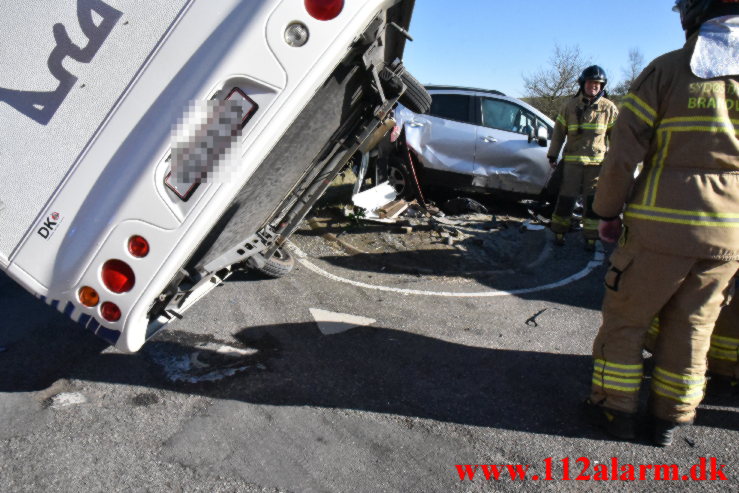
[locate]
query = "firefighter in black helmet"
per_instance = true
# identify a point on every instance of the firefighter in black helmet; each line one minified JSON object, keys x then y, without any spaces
{"x":585,"y":122}
{"x":678,"y":249}
{"x":693,"y":13}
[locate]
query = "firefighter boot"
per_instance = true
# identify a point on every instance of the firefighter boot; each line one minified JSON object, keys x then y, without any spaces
{"x":662,"y":431}
{"x":617,"y":424}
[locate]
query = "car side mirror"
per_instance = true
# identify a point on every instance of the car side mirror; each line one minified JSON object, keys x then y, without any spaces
{"x":541,"y":136}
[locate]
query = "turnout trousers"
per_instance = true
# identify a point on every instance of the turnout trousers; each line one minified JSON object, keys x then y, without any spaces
{"x":687,"y":294}
{"x":578,"y":180}
{"x":723,"y":357}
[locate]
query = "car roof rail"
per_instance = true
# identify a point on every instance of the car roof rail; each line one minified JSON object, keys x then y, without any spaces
{"x":475,"y":89}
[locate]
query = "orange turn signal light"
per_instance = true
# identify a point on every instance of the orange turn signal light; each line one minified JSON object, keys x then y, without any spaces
{"x":88,"y":296}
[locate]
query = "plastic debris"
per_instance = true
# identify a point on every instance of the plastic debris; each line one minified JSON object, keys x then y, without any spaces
{"x":528,"y":226}
{"x":66,"y":399}
{"x":375,"y":198}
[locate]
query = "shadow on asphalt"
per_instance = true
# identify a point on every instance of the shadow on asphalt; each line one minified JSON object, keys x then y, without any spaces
{"x":367,"y":369}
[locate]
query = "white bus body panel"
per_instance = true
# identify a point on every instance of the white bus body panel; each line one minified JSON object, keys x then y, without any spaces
{"x":82,"y":177}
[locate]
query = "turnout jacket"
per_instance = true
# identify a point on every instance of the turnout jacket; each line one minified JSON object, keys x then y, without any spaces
{"x":686,"y":199}
{"x":586,"y":128}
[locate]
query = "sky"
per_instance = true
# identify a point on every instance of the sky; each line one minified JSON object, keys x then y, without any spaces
{"x":491,"y":44}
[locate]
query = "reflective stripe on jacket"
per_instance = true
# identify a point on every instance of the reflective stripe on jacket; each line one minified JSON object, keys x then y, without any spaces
{"x":586,"y":128}
{"x":685,"y":129}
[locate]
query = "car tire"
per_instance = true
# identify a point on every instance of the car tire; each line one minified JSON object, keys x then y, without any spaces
{"x":278,"y":265}
{"x":400,"y":179}
{"x":415,"y":97}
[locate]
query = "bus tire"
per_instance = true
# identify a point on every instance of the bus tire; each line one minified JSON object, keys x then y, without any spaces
{"x":278,"y":265}
{"x":415,"y":97}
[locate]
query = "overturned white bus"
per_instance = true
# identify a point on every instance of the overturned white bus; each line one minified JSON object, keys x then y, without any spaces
{"x":151,"y":149}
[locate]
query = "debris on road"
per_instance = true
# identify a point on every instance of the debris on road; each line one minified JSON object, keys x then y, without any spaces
{"x":375,"y":199}
{"x":392,"y":209}
{"x":66,"y":399}
{"x":210,"y":363}
{"x":528,"y":226}
{"x":531,"y":321}
{"x":462,"y":205}
{"x":417,"y":241}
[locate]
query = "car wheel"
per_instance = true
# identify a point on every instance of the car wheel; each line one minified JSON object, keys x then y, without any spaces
{"x":280,"y":264}
{"x":400,"y":180}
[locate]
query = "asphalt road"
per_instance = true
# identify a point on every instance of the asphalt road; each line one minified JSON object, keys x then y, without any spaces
{"x":249,"y":393}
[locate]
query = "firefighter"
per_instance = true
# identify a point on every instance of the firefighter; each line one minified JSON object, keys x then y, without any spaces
{"x":678,"y":249}
{"x":585,"y":121}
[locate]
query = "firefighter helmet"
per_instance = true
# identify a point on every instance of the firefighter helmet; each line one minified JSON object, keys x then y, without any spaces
{"x":693,"y":13}
{"x":593,"y":72}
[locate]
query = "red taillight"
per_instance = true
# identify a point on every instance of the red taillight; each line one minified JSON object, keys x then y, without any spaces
{"x":324,"y":10}
{"x":118,"y":276}
{"x":110,"y":311}
{"x":138,"y":246}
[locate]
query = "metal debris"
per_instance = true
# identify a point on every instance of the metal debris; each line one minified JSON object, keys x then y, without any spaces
{"x":531,"y":321}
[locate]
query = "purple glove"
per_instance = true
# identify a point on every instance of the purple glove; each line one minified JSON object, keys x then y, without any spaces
{"x":609,"y":231}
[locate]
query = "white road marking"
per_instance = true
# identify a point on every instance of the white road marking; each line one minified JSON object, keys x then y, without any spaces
{"x":597,"y":260}
{"x":330,"y":323}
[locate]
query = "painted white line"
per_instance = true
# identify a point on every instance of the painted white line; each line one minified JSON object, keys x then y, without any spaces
{"x":330,"y":323}
{"x":598,"y":257}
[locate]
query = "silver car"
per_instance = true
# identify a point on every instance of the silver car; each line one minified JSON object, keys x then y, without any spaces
{"x":478,"y":140}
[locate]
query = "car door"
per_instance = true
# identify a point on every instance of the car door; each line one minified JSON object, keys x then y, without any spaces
{"x":505,"y":157}
{"x":444,"y":139}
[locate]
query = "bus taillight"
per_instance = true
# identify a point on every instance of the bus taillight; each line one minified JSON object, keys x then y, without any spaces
{"x":324,"y":10}
{"x":110,"y":311}
{"x":138,"y":246}
{"x":118,"y":276}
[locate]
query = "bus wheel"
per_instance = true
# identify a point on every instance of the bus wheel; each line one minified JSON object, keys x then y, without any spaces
{"x":280,"y":264}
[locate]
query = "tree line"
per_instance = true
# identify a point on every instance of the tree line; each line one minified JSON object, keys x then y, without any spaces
{"x":550,"y":86}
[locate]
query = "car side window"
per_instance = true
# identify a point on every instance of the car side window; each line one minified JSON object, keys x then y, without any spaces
{"x":510,"y":117}
{"x":451,"y":107}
